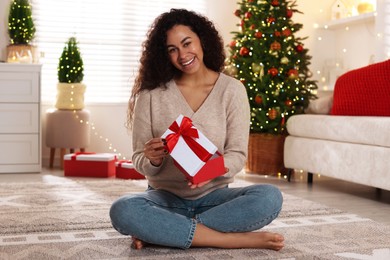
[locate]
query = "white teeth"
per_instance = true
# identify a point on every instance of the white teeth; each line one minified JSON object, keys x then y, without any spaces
{"x":188,"y":62}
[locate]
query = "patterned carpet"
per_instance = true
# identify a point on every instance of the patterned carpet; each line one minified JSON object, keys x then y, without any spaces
{"x":64,"y":218}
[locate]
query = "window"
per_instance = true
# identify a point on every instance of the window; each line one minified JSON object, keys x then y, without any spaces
{"x":109,"y":35}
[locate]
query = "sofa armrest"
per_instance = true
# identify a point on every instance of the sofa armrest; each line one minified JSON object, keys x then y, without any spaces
{"x":322,"y":105}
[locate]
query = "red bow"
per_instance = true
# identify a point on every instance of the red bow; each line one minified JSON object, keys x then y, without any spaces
{"x":188,"y":134}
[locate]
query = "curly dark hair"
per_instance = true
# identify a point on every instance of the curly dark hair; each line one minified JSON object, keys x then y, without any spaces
{"x":155,"y":67}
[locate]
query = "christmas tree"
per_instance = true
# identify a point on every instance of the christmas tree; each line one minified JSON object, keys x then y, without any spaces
{"x":21,"y":28}
{"x":272,"y":63}
{"x":70,"y":68}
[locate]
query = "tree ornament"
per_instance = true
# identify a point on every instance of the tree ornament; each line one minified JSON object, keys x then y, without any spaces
{"x":258,"y":99}
{"x":237,"y":13}
{"x":286,"y":32}
{"x":299,"y":48}
{"x":275,"y":3}
{"x":232,"y":44}
{"x":272,"y":113}
{"x":292,"y":74}
{"x":288,"y":102}
{"x":258,"y":35}
{"x":277,"y":34}
{"x":271,"y":20}
{"x":252,"y":27}
{"x":244,"y":51}
{"x":231,"y":70}
{"x":275,"y":46}
{"x":284,"y":60}
{"x":273,"y":72}
{"x":248,"y":15}
{"x":289,"y":13}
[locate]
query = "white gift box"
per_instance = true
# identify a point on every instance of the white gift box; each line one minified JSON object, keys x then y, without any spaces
{"x":186,"y":156}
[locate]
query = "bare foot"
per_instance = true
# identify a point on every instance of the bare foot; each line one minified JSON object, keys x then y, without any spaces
{"x":268,"y":240}
{"x":206,"y":237}
{"x":137,"y":244}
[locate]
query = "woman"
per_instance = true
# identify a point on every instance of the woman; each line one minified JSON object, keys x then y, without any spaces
{"x":180,"y":73}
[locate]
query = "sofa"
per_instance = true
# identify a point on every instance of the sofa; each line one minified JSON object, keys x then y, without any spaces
{"x":345,"y":133}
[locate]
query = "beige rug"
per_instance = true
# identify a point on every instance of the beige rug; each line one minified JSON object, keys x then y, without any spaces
{"x":64,"y":218}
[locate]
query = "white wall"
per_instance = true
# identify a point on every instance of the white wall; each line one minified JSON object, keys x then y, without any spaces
{"x":109,"y":119}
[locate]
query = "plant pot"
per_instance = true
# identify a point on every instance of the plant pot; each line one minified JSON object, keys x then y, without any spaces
{"x":265,"y":154}
{"x":70,"y":96}
{"x":22,"y":53}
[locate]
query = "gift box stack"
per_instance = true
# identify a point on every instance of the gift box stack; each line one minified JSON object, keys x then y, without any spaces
{"x":195,"y":155}
{"x":101,"y":165}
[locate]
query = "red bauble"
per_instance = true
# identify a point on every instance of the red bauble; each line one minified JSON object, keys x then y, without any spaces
{"x":299,"y":48}
{"x":242,"y":24}
{"x":283,"y":122}
{"x":237,"y":13}
{"x":275,"y":46}
{"x":289,"y":13}
{"x":244,"y":51}
{"x":288,"y":102}
{"x":275,"y":3}
{"x":272,"y":113}
{"x":292,"y":74}
{"x":286,"y":32}
{"x":252,"y":27}
{"x":273,"y":72}
{"x":271,"y":19}
{"x":258,"y":35}
{"x":258,"y":99}
{"x":232,"y":44}
{"x":277,"y":34}
{"x":248,"y":15}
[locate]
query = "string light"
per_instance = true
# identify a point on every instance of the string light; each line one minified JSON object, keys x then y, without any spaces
{"x":96,"y":133}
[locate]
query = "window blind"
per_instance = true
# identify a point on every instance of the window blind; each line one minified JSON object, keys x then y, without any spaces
{"x":109,"y":35}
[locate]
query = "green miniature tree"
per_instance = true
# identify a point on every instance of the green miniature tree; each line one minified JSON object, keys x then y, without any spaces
{"x":271,"y":62}
{"x":70,"y":68}
{"x":21,"y":28}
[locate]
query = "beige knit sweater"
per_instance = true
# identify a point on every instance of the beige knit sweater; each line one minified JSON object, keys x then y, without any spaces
{"x":223,"y":118}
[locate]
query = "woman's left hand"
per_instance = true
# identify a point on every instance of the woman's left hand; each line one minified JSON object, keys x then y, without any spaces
{"x":201,"y":184}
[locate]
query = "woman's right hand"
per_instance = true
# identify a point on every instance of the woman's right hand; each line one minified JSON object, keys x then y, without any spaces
{"x":155,"y":150}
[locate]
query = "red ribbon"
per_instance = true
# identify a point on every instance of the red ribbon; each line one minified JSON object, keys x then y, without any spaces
{"x":79,"y":153}
{"x":188,"y":133}
{"x":123,"y":161}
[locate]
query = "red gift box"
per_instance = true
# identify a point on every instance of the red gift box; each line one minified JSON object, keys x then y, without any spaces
{"x":125,"y":170}
{"x":195,"y":155}
{"x":90,"y":165}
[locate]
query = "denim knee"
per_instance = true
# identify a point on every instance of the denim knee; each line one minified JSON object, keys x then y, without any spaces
{"x":117,"y":211}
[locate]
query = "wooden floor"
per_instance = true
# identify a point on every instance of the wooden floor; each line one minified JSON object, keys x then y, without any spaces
{"x":353,"y":198}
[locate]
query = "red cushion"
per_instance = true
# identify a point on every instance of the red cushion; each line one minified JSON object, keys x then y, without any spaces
{"x":363,"y":92}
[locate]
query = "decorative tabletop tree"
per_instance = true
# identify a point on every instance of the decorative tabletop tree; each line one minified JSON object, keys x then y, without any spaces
{"x":21,"y":31}
{"x":272,"y":63}
{"x":70,"y":89}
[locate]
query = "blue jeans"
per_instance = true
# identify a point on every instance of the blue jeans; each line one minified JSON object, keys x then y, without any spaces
{"x":160,"y":217}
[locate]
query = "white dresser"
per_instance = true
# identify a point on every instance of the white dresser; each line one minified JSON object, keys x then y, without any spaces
{"x":20,"y":118}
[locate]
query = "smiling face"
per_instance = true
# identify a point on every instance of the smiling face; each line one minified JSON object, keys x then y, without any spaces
{"x":184,"y":49}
